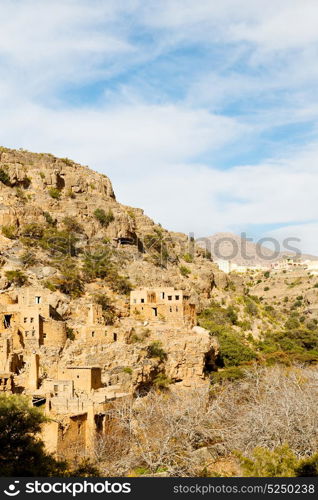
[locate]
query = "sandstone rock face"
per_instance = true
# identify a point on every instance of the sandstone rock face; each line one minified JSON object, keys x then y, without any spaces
{"x":41,"y":190}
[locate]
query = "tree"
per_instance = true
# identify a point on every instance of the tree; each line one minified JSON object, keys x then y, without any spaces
{"x":104,"y":218}
{"x":22,"y":453}
{"x":280,"y":462}
{"x":17,"y":277}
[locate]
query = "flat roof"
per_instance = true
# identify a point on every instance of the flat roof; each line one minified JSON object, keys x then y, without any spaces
{"x":82,"y":367}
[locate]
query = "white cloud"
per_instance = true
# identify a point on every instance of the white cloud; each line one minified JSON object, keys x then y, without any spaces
{"x":152,"y":149}
{"x":306,"y":233}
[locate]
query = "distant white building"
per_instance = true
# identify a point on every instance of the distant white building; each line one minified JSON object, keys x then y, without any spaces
{"x":227,"y":266}
{"x":312,"y":266}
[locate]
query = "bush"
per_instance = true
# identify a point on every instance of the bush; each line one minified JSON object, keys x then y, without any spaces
{"x":118,"y":283}
{"x":250,"y":307}
{"x":71,"y":225}
{"x":215,"y":317}
{"x":9,"y":232}
{"x":155,"y":245}
{"x":128,"y":370}
{"x":70,"y":333}
{"x":55,"y":193}
{"x":104,"y":218}
{"x":67,"y":161}
{"x":4,"y":177}
{"x":97,"y":264}
{"x":232,"y":315}
{"x":227,"y":374}
{"x":49,"y":219}
{"x":33,"y":231}
{"x":161,"y":381}
{"x":266,"y":288}
{"x":58,"y":242}
{"x":28,"y":258}
{"x":70,"y":281}
{"x":155,"y":350}
{"x":18,"y":278}
{"x":50,"y":286}
{"x":292,"y":323}
{"x":296,"y":304}
{"x":109,"y":312}
{"x":185,"y":271}
{"x":233,"y":352}
{"x":280,"y":462}
{"x":20,"y":194}
{"x":267,"y":274}
{"x":188,"y":258}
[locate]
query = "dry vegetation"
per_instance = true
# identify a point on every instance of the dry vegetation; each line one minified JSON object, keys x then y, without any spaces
{"x":170,"y":432}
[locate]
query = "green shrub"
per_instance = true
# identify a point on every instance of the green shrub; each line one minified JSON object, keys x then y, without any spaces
{"x":4,"y":177}
{"x":67,"y":161}
{"x":104,"y":218}
{"x":70,"y":281}
{"x":280,"y":462}
{"x":33,"y":231}
{"x":28,"y":258}
{"x":250,"y":306}
{"x":55,"y":193}
{"x":267,"y":274}
{"x":185,"y":271}
{"x":109,"y":312}
{"x":161,"y":381}
{"x":233,"y":351}
{"x":18,"y":278}
{"x":58,"y":242}
{"x":156,"y":246}
{"x":10,"y":232}
{"x":98,"y":263}
{"x":266,"y":288}
{"x":232,"y":315}
{"x":296,"y":304}
{"x":227,"y":374}
{"x":128,"y":370}
{"x":118,"y":283}
{"x":49,"y":219}
{"x":70,"y":194}
{"x":20,"y":194}
{"x":215,"y":316}
{"x":188,"y":258}
{"x":155,"y":350}
{"x":50,"y":286}
{"x":70,"y":333}
{"x":71,"y":225}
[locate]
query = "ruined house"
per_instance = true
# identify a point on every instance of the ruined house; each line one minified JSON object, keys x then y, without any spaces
{"x":163,"y":304}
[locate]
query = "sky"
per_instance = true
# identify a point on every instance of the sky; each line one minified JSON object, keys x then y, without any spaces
{"x":203,"y":113}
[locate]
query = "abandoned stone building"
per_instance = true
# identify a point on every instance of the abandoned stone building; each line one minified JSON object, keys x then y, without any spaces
{"x":78,"y":405}
{"x":74,"y":396}
{"x":29,"y":321}
{"x":95,"y":331}
{"x":163,"y":304}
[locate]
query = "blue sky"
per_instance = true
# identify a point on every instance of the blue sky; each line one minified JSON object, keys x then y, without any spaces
{"x":203,"y":113}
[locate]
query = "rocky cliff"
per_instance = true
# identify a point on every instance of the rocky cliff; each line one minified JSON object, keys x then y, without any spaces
{"x":63,"y":230}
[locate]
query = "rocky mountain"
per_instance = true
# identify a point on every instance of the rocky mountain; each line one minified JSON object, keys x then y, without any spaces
{"x":63,"y":230}
{"x":230,"y":246}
